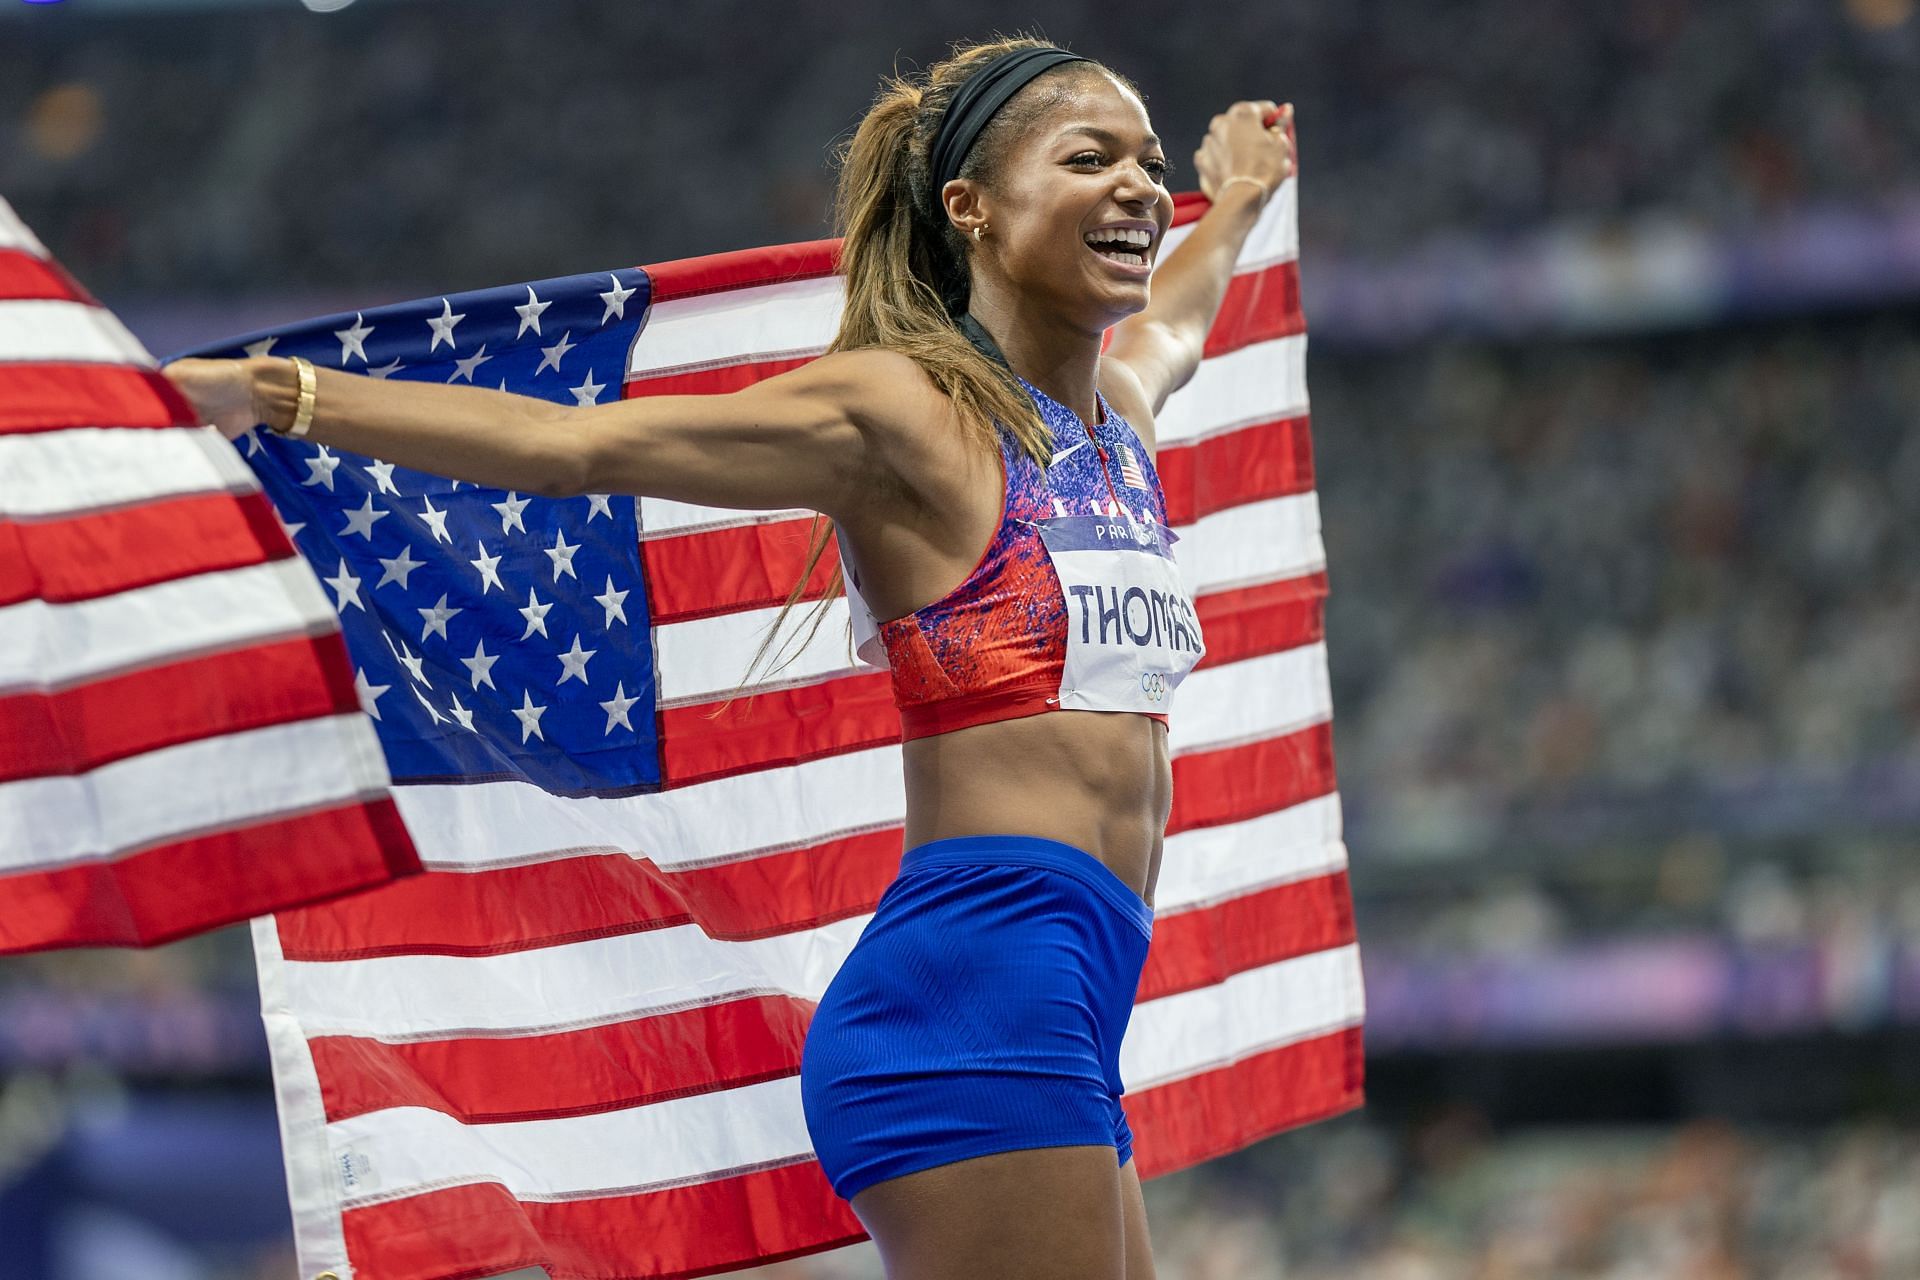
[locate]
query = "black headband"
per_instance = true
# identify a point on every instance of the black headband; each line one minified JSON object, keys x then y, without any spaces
{"x":984,"y":93}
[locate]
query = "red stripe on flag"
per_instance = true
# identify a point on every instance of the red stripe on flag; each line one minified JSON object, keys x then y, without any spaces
{"x":672,"y":1234}
{"x":79,"y":729}
{"x":1209,"y":944}
{"x":25,"y":276}
{"x":712,"y":1047}
{"x":777,"y":727}
{"x":711,"y":379}
{"x":1181,"y":1123}
{"x":520,"y":908}
{"x":745,"y":566}
{"x":1258,"y":307}
{"x":1249,"y":464}
{"x":1232,"y":784}
{"x":85,"y":557}
{"x":46,"y":396}
{"x":719,"y":272}
{"x":493,"y":1079}
{"x":1267,"y":618}
{"x":188,"y":886}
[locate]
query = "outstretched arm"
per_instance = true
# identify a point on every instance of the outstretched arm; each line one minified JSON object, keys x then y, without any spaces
{"x":1162,"y":345}
{"x":798,"y":439}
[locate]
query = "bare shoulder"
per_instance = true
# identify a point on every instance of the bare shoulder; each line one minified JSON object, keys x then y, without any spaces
{"x":1123,"y":390}
{"x":913,"y":441}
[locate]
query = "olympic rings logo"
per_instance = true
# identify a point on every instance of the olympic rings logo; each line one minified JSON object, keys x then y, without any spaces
{"x":1154,"y":685}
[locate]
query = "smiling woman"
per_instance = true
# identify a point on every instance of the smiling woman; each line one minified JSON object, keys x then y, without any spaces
{"x":1003,"y":215}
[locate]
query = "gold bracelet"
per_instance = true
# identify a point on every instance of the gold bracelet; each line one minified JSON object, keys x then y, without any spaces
{"x":303,"y":411}
{"x":1265,"y":194}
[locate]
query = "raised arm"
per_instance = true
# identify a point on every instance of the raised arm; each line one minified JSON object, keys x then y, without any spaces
{"x":802,"y":438}
{"x":1162,"y":345}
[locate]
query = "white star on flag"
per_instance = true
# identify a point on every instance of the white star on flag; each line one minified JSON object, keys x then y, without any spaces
{"x":362,"y":520}
{"x":489,"y":567}
{"x":574,"y":663}
{"x":382,"y":473}
{"x":599,"y":504}
{"x":321,"y":466}
{"x":465,"y":368}
{"x":616,"y":708}
{"x":437,"y":521}
{"x":529,"y":313}
{"x":398,"y":569}
{"x":265,"y":345}
{"x":614,"y":602}
{"x":481,"y":665}
{"x":387,"y":370}
{"x":510,"y":512}
{"x":346,"y":588}
{"x":442,"y":326}
{"x":353,"y":339}
{"x":407,"y":658}
{"x":553,"y":355}
{"x":588,"y":392}
{"x":436,"y":618}
{"x":433,"y":711}
{"x":464,"y":716}
{"x":561,"y":553}
{"x":536,"y":615}
{"x":616,"y":300}
{"x":369,"y":693}
{"x":529,"y":716}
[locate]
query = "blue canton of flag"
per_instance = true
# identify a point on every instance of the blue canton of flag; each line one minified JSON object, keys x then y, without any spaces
{"x":494,"y":635}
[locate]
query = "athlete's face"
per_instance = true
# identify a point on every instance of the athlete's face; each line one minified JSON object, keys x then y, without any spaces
{"x":1091,"y":169}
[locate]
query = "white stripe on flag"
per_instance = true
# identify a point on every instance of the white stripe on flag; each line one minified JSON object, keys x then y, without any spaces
{"x":47,"y":474}
{"x":167,"y":794}
{"x":766,"y":322}
{"x":1259,"y":383}
{"x":15,"y":234}
{"x":49,"y":329}
{"x":51,"y":646}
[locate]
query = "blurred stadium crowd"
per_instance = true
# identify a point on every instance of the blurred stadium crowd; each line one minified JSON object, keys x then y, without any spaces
{"x":1622,"y":628}
{"x":388,"y":146}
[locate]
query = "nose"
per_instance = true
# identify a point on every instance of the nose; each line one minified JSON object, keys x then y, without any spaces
{"x":1136,"y":184}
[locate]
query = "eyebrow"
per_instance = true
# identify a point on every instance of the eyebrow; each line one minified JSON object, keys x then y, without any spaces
{"x":1111,"y":139}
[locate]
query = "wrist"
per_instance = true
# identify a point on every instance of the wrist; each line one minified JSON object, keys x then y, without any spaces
{"x":1244,"y":189}
{"x":275,"y":387}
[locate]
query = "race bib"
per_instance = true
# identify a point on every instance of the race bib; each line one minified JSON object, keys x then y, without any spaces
{"x":1132,"y":634}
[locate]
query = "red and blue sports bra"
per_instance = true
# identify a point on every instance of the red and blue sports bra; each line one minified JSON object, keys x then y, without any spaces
{"x":1076,"y":602}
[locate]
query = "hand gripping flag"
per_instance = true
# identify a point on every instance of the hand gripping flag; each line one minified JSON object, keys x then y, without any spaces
{"x":180,"y":746}
{"x":575,"y":1041}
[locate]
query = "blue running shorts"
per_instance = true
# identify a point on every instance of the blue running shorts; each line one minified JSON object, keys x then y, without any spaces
{"x":980,"y":1011}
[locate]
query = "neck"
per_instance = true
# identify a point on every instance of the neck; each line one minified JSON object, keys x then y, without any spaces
{"x":1061,"y":360}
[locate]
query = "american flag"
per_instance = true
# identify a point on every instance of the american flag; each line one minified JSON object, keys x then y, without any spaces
{"x":575,"y":1042}
{"x":1130,"y":473}
{"x":179,"y":743}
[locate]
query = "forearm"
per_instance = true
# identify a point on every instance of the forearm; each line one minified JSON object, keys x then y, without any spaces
{"x":491,"y":438}
{"x":1190,"y":283}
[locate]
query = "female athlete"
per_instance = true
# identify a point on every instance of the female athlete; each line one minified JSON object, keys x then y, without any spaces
{"x":988,"y":469}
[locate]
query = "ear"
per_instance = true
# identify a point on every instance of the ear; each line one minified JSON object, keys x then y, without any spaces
{"x":965,"y":203}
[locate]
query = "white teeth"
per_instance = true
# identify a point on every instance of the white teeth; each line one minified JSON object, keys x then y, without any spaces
{"x":1128,"y":235}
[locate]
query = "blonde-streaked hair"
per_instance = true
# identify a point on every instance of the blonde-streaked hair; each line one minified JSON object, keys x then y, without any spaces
{"x":905,"y":264}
